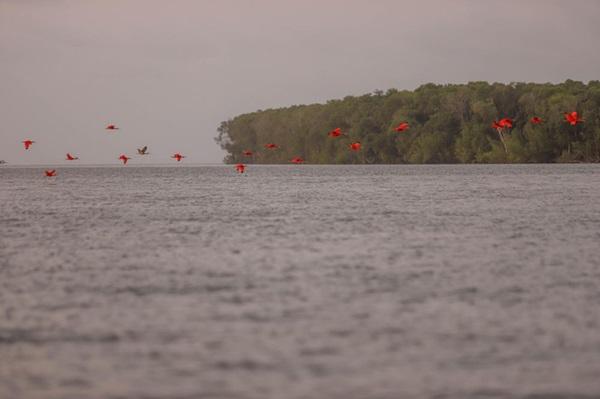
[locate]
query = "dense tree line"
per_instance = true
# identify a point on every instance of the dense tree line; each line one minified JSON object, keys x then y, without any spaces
{"x":448,"y":124}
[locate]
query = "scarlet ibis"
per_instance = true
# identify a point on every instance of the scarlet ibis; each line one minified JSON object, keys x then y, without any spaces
{"x":28,"y":143}
{"x":124,"y":158}
{"x":402,"y":127}
{"x":355,"y":146}
{"x":536,"y":120}
{"x":71,"y":157}
{"x":503,"y":123}
{"x":112,"y":127}
{"x":573,"y":118}
{"x":337,"y":132}
{"x":247,"y":153}
{"x":271,"y":146}
{"x":177,"y":156}
{"x":497,"y":125}
{"x":500,"y":126}
{"x":240,"y":167}
{"x":143,"y":150}
{"x":506,"y":123}
{"x":297,"y":160}
{"x":50,"y":173}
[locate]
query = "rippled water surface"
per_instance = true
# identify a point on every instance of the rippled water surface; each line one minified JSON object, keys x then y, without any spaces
{"x":363,"y":282}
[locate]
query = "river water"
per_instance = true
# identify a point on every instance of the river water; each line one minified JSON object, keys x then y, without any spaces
{"x":289,"y":282}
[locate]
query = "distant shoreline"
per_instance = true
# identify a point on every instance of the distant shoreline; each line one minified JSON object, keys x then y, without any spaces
{"x":441,"y":124}
{"x":212,"y":165}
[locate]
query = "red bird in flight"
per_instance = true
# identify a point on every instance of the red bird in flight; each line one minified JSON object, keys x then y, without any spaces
{"x":50,"y":173}
{"x":536,"y":120}
{"x":247,"y":153}
{"x":402,"y":127}
{"x":112,"y":127}
{"x":297,"y":160}
{"x":503,"y":123}
{"x":496,"y":125}
{"x":271,"y":146}
{"x":28,"y":143}
{"x":178,"y":157}
{"x":355,"y":146}
{"x":240,"y":167}
{"x":71,"y":157}
{"x":337,"y":132}
{"x":124,"y":158}
{"x":506,"y":123}
{"x":573,"y":118}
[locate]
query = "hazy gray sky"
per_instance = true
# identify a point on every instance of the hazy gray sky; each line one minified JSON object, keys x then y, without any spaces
{"x":167,"y":72}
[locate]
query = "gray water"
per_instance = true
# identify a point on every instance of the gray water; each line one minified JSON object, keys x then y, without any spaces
{"x":301,"y":282}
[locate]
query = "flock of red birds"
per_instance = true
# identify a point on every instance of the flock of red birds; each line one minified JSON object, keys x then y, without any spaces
{"x":335,"y":133}
{"x":572,"y":118}
{"x":123,"y":158}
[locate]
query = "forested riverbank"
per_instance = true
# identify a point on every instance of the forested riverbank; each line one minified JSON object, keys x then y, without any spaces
{"x":448,"y":124}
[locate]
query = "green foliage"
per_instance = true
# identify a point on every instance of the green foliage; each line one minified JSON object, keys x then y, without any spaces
{"x":448,"y":124}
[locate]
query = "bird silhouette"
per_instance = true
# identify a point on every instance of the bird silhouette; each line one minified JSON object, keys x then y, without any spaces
{"x":143,"y":150}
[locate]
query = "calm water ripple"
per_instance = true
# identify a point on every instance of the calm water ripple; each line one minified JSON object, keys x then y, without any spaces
{"x":301,"y":282}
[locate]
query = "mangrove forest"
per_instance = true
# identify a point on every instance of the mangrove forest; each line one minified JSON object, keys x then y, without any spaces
{"x":477,"y":122}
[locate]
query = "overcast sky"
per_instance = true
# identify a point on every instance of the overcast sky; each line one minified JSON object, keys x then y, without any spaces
{"x":167,"y":72}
